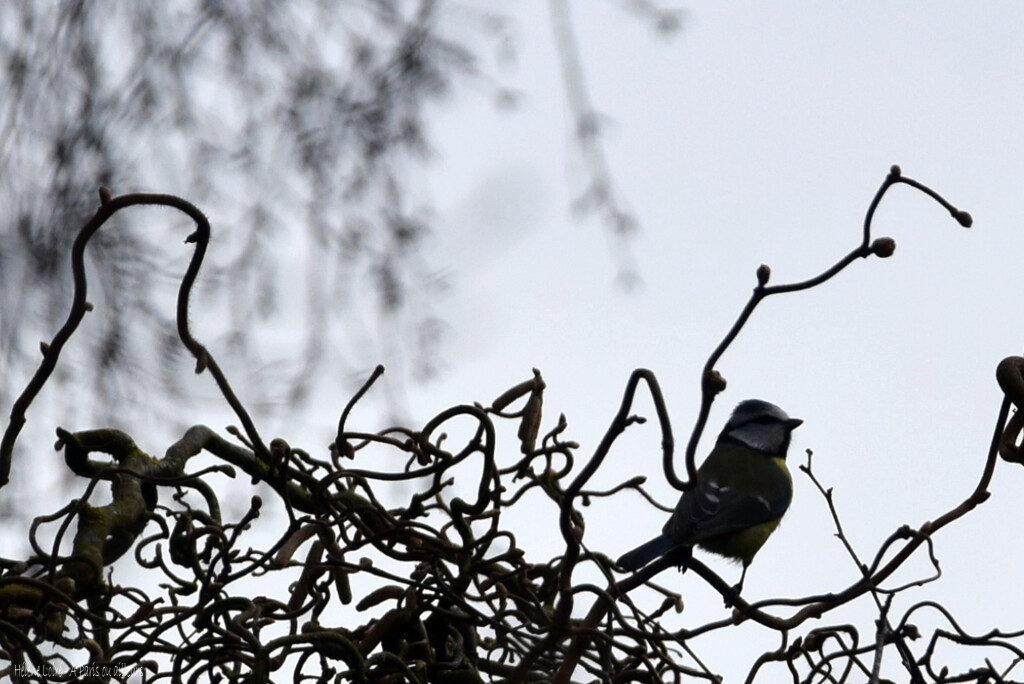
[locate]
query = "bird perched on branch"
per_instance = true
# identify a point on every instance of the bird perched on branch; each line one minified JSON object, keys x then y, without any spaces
{"x":743,"y":488}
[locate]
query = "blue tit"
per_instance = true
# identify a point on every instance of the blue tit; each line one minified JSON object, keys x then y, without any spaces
{"x":743,"y":489}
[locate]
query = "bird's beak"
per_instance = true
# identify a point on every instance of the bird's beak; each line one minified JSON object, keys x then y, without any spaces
{"x":794,"y":423}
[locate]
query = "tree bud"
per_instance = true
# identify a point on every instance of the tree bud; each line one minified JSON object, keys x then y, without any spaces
{"x":713,"y":382}
{"x":963,"y":218}
{"x":883,"y":247}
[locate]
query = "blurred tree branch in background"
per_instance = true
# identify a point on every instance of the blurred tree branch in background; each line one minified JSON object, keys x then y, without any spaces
{"x":346,"y":582}
{"x":304,"y":120}
{"x":304,"y":127}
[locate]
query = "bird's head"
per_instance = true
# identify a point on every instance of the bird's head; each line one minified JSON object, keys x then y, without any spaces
{"x":761,"y":426}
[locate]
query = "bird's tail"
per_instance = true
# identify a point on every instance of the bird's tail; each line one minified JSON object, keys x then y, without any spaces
{"x":645,"y":553}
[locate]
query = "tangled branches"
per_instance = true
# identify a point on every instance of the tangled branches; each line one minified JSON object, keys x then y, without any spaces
{"x":362,"y":584}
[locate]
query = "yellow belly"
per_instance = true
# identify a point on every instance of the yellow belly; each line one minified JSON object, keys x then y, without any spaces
{"x":740,"y":546}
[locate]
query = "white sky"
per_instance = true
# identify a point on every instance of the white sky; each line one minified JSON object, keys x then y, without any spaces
{"x":760,"y":134}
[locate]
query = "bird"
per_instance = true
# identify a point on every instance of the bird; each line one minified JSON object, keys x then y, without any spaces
{"x":742,"y":490}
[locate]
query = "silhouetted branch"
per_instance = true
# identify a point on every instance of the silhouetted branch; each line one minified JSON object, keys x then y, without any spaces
{"x":435,"y":588}
{"x":712,"y":382}
{"x":80,"y":306}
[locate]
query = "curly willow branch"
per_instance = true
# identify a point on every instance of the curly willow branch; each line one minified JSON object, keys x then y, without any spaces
{"x":446,"y":590}
{"x":713,"y":383}
{"x":80,"y":306}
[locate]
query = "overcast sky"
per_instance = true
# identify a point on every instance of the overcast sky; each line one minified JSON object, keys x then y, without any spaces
{"x":759,"y":134}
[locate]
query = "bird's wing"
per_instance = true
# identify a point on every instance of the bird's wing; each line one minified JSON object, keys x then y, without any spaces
{"x":710,"y":510}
